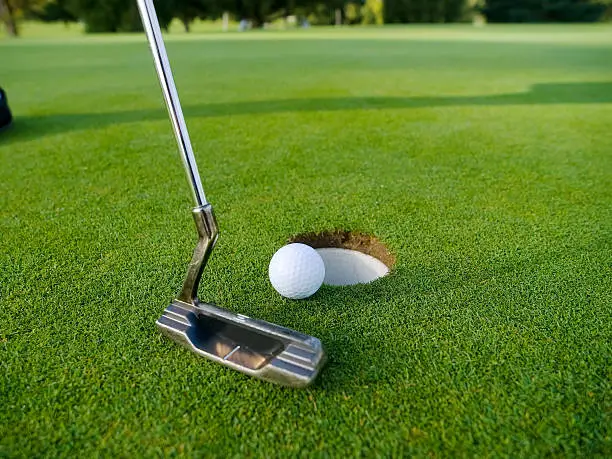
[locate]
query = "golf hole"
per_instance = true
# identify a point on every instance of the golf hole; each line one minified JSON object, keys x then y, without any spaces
{"x":349,"y":258}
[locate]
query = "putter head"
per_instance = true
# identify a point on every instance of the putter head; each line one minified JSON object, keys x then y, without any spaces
{"x":255,"y":347}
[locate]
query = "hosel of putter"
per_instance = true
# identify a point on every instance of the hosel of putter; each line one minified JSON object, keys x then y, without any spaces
{"x":208,"y":232}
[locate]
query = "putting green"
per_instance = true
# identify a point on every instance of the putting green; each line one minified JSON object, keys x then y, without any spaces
{"x":480,"y":157}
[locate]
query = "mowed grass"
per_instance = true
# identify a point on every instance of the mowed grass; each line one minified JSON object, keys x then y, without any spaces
{"x":481,"y":157}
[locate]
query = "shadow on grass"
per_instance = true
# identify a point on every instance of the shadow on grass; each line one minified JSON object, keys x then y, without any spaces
{"x":30,"y":127}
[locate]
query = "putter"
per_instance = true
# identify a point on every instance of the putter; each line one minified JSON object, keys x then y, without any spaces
{"x":255,"y":347}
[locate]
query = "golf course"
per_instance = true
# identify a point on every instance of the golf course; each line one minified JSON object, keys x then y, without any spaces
{"x":480,"y":157}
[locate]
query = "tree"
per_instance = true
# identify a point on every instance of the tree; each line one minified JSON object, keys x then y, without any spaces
{"x":12,"y":10}
{"x":323,"y":13}
{"x":607,"y":5}
{"x":55,"y":11}
{"x":405,"y":11}
{"x":259,"y":11}
{"x":189,"y":10}
{"x":543,"y":10}
{"x":372,"y":12}
{"x":352,"y":13}
{"x":7,"y":16}
{"x":115,"y":15}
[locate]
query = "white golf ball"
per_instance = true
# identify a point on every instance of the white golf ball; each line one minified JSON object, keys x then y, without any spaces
{"x":296,"y":271}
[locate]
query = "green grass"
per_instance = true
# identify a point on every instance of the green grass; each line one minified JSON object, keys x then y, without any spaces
{"x":481,"y":157}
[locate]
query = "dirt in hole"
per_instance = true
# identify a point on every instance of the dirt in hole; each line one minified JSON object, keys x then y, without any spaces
{"x":360,"y":242}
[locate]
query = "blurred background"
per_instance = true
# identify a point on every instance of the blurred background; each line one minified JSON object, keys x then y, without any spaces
{"x":20,"y":17}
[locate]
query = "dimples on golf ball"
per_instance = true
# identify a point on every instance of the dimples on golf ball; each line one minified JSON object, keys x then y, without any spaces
{"x":296,"y":271}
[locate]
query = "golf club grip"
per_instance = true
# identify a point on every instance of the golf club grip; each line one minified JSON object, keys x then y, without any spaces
{"x":166,"y":80}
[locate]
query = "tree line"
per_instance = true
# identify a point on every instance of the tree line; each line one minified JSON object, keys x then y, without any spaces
{"x":546,"y":10}
{"x":122,"y":15}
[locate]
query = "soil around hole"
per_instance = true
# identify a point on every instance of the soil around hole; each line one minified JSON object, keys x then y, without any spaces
{"x":364,"y":243}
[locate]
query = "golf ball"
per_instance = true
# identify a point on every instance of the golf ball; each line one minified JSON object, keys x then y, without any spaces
{"x":296,"y":271}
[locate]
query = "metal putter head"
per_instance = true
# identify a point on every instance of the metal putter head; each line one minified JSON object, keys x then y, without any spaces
{"x":255,"y":347}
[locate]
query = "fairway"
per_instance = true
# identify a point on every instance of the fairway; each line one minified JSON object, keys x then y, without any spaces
{"x":481,"y":158}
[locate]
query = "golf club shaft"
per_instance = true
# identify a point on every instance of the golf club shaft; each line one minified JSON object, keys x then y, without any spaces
{"x":162,"y":65}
